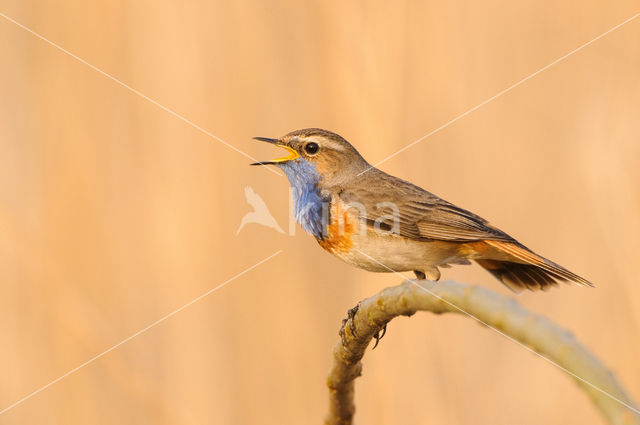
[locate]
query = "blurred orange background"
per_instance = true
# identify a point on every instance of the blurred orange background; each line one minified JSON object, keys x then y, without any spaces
{"x":114,"y":212}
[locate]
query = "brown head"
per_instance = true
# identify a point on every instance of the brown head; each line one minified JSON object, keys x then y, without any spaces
{"x":333,"y":158}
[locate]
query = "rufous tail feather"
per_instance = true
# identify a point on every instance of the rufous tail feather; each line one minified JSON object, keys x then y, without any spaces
{"x":519,"y":268}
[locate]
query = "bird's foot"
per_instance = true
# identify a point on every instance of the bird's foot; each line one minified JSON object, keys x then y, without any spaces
{"x":351,"y":314}
{"x":430,"y":273}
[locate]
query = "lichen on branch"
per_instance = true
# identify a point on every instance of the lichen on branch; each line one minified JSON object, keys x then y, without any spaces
{"x":503,"y":314}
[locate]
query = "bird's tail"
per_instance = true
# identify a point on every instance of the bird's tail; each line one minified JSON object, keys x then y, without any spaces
{"x":519,"y":268}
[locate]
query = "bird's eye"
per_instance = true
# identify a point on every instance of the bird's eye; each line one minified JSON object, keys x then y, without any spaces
{"x":311,"y":148}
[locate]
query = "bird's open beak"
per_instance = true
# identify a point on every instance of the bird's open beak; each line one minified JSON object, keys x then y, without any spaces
{"x":293,"y":154}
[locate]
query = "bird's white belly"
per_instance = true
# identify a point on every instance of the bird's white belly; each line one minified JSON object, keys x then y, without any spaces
{"x":393,"y":253}
{"x":351,"y":240}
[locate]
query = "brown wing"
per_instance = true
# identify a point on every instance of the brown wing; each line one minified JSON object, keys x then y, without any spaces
{"x":423,"y":216}
{"x":416,"y":213}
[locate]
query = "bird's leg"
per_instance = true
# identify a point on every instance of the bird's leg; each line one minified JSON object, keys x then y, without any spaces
{"x":379,"y":336}
{"x":351,"y":314}
{"x":429,"y":273}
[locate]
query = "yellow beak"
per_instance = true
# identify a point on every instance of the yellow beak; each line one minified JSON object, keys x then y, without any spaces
{"x":292,"y":153}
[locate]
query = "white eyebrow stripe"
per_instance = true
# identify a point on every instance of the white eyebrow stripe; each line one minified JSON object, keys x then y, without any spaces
{"x":320,"y":140}
{"x":330,"y":143}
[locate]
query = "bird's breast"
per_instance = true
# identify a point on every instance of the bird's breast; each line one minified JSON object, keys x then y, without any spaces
{"x":350,"y":239}
{"x":341,"y":226}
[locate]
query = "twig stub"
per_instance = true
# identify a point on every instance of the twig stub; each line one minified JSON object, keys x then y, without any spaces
{"x":495,"y":311}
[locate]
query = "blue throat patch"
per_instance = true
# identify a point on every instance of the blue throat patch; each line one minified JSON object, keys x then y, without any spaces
{"x":308,"y":204}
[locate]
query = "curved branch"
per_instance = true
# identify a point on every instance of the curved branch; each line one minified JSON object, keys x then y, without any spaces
{"x":503,"y":314}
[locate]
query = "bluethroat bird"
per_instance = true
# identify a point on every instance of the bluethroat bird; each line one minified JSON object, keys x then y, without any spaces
{"x":381,"y":223}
